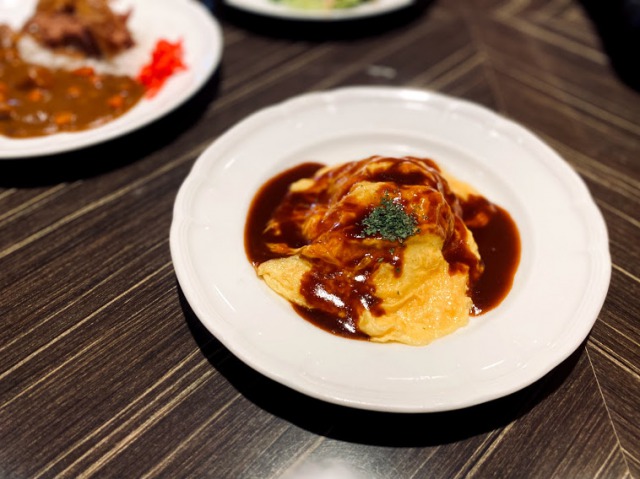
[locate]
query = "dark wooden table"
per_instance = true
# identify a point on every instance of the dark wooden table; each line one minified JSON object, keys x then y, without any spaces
{"x":106,"y":372}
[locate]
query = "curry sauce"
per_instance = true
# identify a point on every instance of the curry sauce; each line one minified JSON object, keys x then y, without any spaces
{"x":37,"y":101}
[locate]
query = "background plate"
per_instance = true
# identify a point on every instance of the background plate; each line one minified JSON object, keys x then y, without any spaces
{"x":271,"y":8}
{"x":150,"y":20}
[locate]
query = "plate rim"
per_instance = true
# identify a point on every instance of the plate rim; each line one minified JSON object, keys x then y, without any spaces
{"x":576,"y":183}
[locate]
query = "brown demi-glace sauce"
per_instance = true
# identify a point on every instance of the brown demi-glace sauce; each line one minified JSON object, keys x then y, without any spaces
{"x":493,"y":229}
{"x":37,"y":101}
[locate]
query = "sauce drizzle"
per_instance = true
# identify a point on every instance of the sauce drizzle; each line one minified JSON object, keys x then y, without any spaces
{"x":492,"y":227}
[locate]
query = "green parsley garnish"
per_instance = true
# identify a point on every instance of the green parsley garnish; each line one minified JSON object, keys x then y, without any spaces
{"x":390,"y":221}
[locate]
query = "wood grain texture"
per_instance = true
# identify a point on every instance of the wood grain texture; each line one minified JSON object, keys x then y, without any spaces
{"x":106,"y":372}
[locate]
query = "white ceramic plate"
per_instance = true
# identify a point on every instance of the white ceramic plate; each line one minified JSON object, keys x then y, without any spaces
{"x":558,"y":290}
{"x":150,"y":21}
{"x":273,"y":8}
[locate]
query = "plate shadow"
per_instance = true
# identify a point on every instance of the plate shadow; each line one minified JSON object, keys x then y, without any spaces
{"x":371,"y":427}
